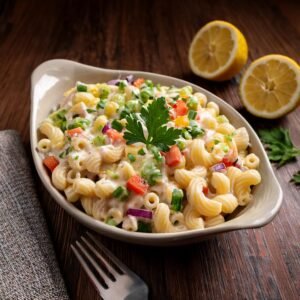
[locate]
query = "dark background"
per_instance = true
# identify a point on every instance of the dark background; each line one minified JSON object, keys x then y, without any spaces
{"x":154,"y":36}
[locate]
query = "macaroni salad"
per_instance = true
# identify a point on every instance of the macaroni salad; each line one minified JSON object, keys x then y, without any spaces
{"x":146,"y":157}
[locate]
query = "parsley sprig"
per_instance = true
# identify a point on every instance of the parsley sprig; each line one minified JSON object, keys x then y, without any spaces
{"x":279,"y":145}
{"x":154,"y":117}
{"x":296,"y":178}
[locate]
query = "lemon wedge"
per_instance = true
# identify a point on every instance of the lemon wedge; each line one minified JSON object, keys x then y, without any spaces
{"x":270,"y":87}
{"x":218,"y":51}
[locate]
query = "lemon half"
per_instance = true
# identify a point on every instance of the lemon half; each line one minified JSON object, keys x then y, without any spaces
{"x":270,"y":87}
{"x":218,"y":51}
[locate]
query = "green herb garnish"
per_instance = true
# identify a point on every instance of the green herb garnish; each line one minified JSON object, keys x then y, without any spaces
{"x":101,"y":104}
{"x":154,"y":118}
{"x":131,"y":157}
{"x":117,"y":125}
{"x":141,"y":152}
{"x":177,"y":196}
{"x":120,"y":192}
{"x":279,"y":145}
{"x":296,"y":178}
{"x":81,"y":87}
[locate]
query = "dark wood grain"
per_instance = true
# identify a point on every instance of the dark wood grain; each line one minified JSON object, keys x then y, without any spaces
{"x":154,"y":36}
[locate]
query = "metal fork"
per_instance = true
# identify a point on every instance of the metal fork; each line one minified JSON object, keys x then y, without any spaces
{"x":116,"y":280}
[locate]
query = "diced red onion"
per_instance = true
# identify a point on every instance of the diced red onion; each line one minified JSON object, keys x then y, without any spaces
{"x":114,"y":82}
{"x":140,"y":213}
{"x":129,"y":78}
{"x":218,"y":167}
{"x":105,"y":128}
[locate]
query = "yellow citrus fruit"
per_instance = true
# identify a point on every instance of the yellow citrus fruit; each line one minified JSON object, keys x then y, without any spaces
{"x":270,"y":87}
{"x":218,"y":51}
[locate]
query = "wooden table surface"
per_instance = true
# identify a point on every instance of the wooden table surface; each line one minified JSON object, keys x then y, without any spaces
{"x":154,"y":36}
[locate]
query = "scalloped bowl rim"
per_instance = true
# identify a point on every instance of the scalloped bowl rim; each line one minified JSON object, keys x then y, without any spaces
{"x":155,"y":239}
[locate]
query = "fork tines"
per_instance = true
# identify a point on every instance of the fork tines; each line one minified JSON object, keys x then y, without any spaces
{"x":109,"y":275}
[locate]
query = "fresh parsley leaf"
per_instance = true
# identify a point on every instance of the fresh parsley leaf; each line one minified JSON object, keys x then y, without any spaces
{"x":279,"y":145}
{"x":296,"y":178}
{"x":117,"y":125}
{"x":134,"y":130}
{"x":154,"y":117}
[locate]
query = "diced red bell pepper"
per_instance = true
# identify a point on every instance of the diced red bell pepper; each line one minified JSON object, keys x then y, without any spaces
{"x":137,"y":185}
{"x":51,"y":162}
{"x":72,"y":132}
{"x":114,"y":134}
{"x":180,"y":108}
{"x":138,"y":82}
{"x":173,"y":156}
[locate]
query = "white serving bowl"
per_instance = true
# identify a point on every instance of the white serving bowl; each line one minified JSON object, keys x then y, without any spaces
{"x":52,"y":78}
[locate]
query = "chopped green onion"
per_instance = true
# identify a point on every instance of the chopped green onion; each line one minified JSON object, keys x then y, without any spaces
{"x":81,"y":87}
{"x":144,"y":227}
{"x":99,"y":141}
{"x":131,"y":157}
{"x":76,"y":157}
{"x":216,"y":142}
{"x":111,"y":222}
{"x":59,"y":119}
{"x":156,"y":153}
{"x":192,"y":114}
{"x":104,"y":91}
{"x":196,"y":131}
{"x":89,"y":110}
{"x":146,"y":94}
{"x":79,"y":122}
{"x":101,"y":104}
{"x":117,"y":125}
{"x":151,"y":173}
{"x":122,"y":84}
{"x":181,"y":144}
{"x":186,"y":134}
{"x":66,"y":152}
{"x":120,"y":192}
{"x":177,"y":196}
{"x":141,"y":152}
{"x":192,"y":103}
{"x":149,"y":83}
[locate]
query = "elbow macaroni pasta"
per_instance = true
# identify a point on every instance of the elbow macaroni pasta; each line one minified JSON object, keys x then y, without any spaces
{"x":141,"y":185}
